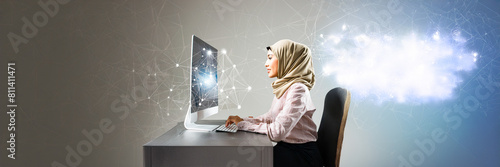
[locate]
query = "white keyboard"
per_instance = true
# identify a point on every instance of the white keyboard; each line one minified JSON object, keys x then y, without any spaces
{"x":231,"y":128}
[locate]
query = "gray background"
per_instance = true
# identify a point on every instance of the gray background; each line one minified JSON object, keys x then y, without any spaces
{"x":128,"y":62}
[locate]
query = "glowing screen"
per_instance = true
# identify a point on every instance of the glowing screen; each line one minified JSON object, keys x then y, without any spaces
{"x":204,"y":92}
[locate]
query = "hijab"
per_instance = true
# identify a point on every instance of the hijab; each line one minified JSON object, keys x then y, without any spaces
{"x":294,"y":66}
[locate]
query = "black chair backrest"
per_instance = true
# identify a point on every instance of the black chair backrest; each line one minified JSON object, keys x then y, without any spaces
{"x":331,"y":128}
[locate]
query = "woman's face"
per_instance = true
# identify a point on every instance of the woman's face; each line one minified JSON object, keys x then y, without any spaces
{"x":272,"y":64}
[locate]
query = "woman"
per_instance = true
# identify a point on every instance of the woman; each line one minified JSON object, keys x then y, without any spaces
{"x":289,"y":121}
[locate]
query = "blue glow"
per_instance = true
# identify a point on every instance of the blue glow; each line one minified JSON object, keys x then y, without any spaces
{"x":209,"y":81}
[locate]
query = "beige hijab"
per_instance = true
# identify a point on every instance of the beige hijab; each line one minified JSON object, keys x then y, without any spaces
{"x":294,"y":65}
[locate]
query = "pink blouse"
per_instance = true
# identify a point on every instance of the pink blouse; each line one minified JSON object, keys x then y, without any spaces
{"x":288,"y":120}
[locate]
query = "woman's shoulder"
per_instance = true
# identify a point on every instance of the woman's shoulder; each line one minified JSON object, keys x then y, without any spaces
{"x":298,"y":85}
{"x":297,"y":88}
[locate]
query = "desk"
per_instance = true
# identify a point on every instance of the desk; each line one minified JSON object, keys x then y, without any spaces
{"x":181,"y":147}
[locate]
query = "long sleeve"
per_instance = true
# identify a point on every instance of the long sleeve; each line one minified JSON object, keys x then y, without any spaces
{"x":293,"y":108}
{"x":267,"y":117}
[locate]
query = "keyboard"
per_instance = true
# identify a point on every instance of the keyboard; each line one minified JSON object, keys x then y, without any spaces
{"x":231,"y":128}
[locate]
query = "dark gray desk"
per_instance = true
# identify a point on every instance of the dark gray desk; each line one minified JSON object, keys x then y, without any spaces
{"x":181,"y":147}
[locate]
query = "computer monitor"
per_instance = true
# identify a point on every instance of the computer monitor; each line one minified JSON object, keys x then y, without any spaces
{"x":203,"y":84}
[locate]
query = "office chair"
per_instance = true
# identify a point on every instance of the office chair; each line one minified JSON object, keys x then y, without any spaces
{"x":331,"y":128}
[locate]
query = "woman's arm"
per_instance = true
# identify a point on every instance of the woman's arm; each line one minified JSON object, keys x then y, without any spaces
{"x":294,"y":108}
{"x":262,"y":118}
{"x":266,"y":117}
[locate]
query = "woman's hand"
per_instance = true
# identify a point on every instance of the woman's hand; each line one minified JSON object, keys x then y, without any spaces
{"x":233,"y":119}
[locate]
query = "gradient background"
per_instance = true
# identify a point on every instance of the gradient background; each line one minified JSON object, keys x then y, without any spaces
{"x":95,"y":57}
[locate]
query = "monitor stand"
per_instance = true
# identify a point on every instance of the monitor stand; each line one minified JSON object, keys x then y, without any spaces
{"x":191,"y":118}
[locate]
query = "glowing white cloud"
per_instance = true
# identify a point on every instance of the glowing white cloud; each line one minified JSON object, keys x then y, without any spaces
{"x":407,"y":68}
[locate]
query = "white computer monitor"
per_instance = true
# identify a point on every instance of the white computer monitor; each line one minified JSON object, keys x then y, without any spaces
{"x":203,"y":84}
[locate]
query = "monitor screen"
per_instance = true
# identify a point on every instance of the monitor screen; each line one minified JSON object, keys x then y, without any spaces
{"x":204,"y":87}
